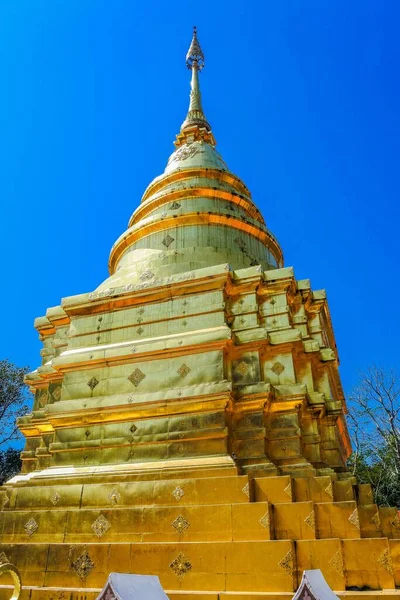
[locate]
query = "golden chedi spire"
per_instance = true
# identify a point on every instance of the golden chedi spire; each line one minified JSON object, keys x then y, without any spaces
{"x":188,"y":418}
{"x":197,"y":214}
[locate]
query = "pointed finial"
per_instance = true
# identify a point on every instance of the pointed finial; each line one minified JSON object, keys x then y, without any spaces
{"x":195,"y":54}
{"x":195,"y":122}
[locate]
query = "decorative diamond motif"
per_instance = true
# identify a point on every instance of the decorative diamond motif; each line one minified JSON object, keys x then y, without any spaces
{"x":55,"y":498}
{"x":329,"y":489}
{"x":178,"y":493}
{"x":180,"y":524}
{"x":167,"y":241}
{"x":100,"y":526}
{"x":354,"y":520}
{"x":83,"y":565}
{"x":133,"y":428}
{"x":264,"y":521}
{"x":3,"y":558}
{"x":396,"y":522}
{"x":369,"y":497}
{"x":385,"y":560}
{"x":140,"y":330}
{"x":287,"y":563}
{"x":278,"y":368}
{"x":180,"y":565}
{"x":136,"y":377}
{"x":288,"y":490}
{"x":183,"y":370}
{"x":146,"y":275}
{"x":310,"y":520}
{"x":44,"y":396}
{"x":376,"y":522}
{"x":133,"y":349}
{"x":92,"y":383}
{"x":114,"y":496}
{"x":56,"y":393}
{"x":246,"y":490}
{"x":131,"y":398}
{"x":30,"y":527}
{"x":336,"y":562}
{"x":242,"y":368}
{"x":174,"y":206}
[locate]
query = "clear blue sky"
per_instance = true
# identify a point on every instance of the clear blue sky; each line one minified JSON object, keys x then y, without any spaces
{"x":303,"y":97}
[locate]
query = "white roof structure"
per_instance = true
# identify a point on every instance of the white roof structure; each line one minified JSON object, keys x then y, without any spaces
{"x":314,"y":587}
{"x":123,"y":586}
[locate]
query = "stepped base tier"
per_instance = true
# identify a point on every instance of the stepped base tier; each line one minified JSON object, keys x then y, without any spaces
{"x":189,"y":420}
{"x":228,"y":536}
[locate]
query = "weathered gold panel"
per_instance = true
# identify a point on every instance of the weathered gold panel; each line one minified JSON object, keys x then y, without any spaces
{"x":294,"y":521}
{"x":326,"y":555}
{"x":368,"y":563}
{"x":273,"y":489}
{"x":337,"y":520}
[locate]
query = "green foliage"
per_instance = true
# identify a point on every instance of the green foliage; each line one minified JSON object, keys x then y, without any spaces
{"x":374,"y":423}
{"x":10,"y":464}
{"x":379,"y":471}
{"x":12,"y":399}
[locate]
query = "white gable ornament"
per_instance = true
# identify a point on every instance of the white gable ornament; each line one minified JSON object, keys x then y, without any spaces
{"x":122,"y":586}
{"x":314,"y":587}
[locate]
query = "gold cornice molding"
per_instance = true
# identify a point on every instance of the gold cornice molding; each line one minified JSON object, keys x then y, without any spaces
{"x":139,"y":356}
{"x":133,"y":236}
{"x":198,"y":192}
{"x":154,"y":293}
{"x":130,"y":412}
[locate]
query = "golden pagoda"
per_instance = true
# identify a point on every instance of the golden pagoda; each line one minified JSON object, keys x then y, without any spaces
{"x":189,"y":420}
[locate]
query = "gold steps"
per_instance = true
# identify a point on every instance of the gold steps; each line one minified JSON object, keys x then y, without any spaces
{"x":220,"y":535}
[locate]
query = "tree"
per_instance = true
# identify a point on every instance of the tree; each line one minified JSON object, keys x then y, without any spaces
{"x":374,"y":423}
{"x":10,"y":464}
{"x":12,"y":405}
{"x":12,"y":400}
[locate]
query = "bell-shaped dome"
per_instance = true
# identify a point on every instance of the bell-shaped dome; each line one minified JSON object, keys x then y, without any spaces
{"x":195,"y":154}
